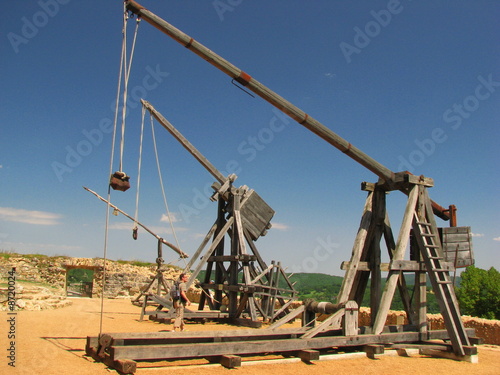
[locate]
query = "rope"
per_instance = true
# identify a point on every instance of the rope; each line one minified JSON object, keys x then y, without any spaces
{"x":111,"y":162}
{"x":128,"y":68}
{"x":136,"y":217}
{"x":163,"y":188}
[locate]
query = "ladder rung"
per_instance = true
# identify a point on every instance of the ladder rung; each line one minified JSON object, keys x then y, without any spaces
{"x":435,"y":257}
{"x":423,"y":223}
{"x":428,"y":234}
{"x":444,"y":282}
{"x":439,"y":270}
{"x":432,"y":246}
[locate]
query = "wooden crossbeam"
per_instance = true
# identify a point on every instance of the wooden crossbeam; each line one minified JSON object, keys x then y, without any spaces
{"x":263,"y":345}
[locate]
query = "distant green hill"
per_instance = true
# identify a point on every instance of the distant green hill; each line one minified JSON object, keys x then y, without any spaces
{"x":319,"y":286}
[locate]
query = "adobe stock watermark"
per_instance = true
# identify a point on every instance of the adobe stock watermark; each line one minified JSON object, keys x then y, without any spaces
{"x":224,"y":6}
{"x":248,"y":149}
{"x":363,"y":36}
{"x":455,"y":117}
{"x":323,"y":250}
{"x":92,"y":138}
{"x":30,"y":26}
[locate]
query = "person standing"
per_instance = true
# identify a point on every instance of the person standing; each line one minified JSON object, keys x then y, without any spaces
{"x":180,"y":302}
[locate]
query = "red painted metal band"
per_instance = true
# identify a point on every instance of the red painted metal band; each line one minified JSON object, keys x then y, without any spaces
{"x":244,"y":78}
{"x":190,"y":43}
{"x":346,"y":151}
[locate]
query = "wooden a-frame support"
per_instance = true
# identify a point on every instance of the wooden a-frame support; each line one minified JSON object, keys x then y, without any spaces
{"x":251,"y":290}
{"x":240,"y":281}
{"x":426,"y":261}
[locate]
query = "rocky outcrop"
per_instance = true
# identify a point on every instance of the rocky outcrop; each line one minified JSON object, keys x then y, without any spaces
{"x":32,"y":297}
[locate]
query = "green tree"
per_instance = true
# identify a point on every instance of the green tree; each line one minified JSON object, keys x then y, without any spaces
{"x":78,"y":275}
{"x":479,"y":293}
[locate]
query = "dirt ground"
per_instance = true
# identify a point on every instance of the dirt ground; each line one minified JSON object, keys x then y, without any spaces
{"x":53,"y":342}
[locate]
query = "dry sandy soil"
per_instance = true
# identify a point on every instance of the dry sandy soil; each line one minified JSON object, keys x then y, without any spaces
{"x":53,"y":342}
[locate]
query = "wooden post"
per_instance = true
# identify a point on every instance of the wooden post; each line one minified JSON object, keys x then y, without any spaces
{"x":392,"y":279}
{"x":350,"y":319}
{"x":346,"y":290}
{"x":379,"y":210}
{"x":235,"y":251}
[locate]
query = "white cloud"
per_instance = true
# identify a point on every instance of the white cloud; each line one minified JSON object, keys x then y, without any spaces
{"x":496,"y":239}
{"x":173,"y":216}
{"x":477,"y":234}
{"x":280,"y":226}
{"x":19,"y":215}
{"x":330,"y":75}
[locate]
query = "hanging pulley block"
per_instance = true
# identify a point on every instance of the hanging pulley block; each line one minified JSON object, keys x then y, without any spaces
{"x":119,"y":181}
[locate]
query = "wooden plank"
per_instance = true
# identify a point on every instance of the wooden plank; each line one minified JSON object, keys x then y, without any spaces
{"x":209,"y":252}
{"x":152,"y":352}
{"x":284,"y":308}
{"x":398,"y":265}
{"x":212,"y":314}
{"x":325,"y":325}
{"x":198,"y":252}
{"x":455,"y":230}
{"x":232,"y":258}
{"x":173,"y":351}
{"x":239,"y":334}
{"x":262,"y":274}
{"x":256,"y":214}
{"x":236,"y":334}
{"x":413,"y":179}
{"x":292,"y":315}
{"x":350,"y":319}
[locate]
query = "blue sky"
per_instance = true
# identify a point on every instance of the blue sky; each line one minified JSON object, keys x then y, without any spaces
{"x":414,"y":84}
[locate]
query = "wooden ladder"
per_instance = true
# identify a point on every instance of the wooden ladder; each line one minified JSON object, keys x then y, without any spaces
{"x":427,"y":237}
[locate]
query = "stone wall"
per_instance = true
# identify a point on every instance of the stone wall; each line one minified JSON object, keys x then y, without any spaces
{"x":122,"y":280}
{"x":488,"y":330}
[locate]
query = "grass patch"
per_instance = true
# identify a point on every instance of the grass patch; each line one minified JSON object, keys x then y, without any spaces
{"x":138,"y":263}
